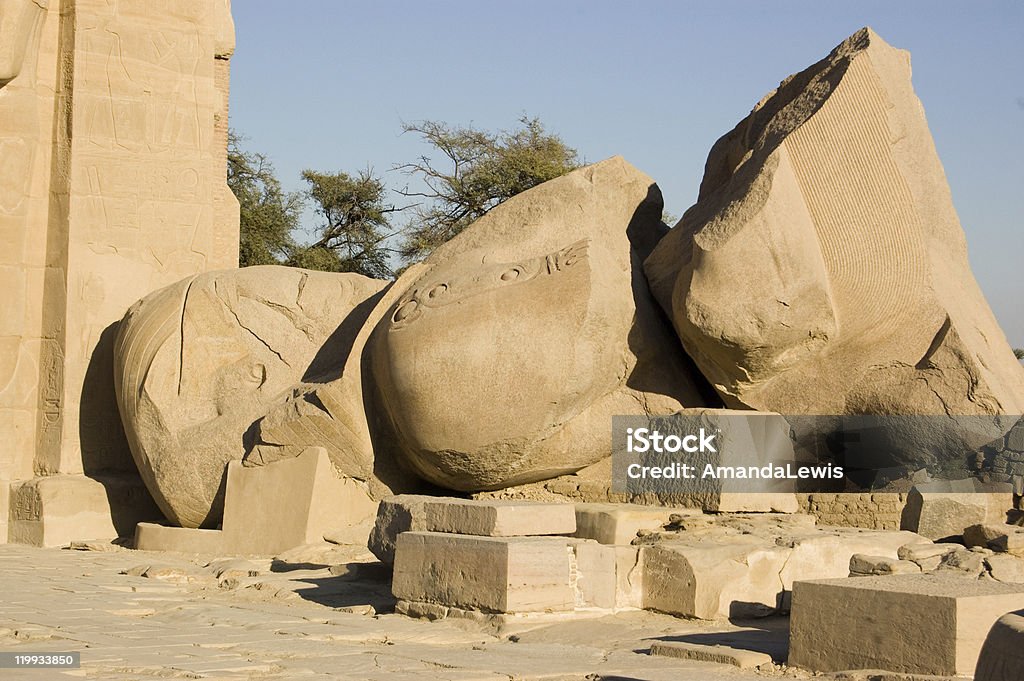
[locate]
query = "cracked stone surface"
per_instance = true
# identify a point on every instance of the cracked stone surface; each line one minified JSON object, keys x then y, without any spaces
{"x":199,"y":363}
{"x":320,"y":612}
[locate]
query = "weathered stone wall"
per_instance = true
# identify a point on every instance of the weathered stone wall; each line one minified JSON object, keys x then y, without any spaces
{"x":112,"y":161}
{"x":878,"y":510}
{"x":1008,"y":458}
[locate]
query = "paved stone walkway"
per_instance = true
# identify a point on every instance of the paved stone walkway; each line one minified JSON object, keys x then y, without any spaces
{"x":297,"y":619}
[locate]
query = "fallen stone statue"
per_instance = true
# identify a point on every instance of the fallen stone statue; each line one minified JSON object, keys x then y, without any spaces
{"x":822,"y":270}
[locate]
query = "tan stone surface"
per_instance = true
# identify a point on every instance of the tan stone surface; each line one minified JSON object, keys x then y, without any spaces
{"x":113,"y":122}
{"x":499,"y":517}
{"x":156,"y":537}
{"x":823,"y":269}
{"x":1002,"y":654}
{"x":619,"y":523}
{"x":58,"y":509}
{"x":981,"y":534}
{"x":864,"y":565}
{"x":291,"y":502}
{"x":741,"y":566}
{"x":715,"y":580}
{"x":593,"y":574}
{"x":300,"y":623}
{"x":545,"y":299}
{"x":943,"y":509}
{"x":925,"y":624}
{"x":1004,"y":567}
{"x":396,"y":514}
{"x":744,"y":659}
{"x":199,"y":362}
{"x":492,"y":574}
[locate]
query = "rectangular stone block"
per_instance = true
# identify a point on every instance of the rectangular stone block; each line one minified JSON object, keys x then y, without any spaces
{"x":942,"y":509}
{"x":920,"y":624}
{"x":492,"y":574}
{"x":290,"y":502}
{"x":499,"y":517}
{"x":619,"y":523}
{"x":156,"y":537}
{"x":56,"y":510}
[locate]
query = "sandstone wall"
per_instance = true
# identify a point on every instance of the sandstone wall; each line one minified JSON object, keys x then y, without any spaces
{"x":113,"y":128}
{"x":877,"y":510}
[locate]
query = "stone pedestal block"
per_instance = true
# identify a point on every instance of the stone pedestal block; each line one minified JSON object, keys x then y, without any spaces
{"x":59,"y":509}
{"x":921,"y":624}
{"x":156,"y":537}
{"x":272,"y":508}
{"x":491,"y":574}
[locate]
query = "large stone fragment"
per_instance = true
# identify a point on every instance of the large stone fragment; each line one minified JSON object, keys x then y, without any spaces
{"x":619,"y":523}
{"x":199,"y":362}
{"x":395,"y":515}
{"x":499,"y":517}
{"x":923,"y":624}
{"x":291,"y":502}
{"x":823,"y":269}
{"x":491,"y":574}
{"x":943,"y":509}
{"x":739,"y":578}
{"x":1002,"y":654}
{"x":546,"y":302}
{"x":749,"y":569}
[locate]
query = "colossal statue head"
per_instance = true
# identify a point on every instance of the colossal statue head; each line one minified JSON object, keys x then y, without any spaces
{"x":199,"y":362}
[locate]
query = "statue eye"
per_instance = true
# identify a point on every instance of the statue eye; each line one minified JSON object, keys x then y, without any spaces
{"x":405,"y":310}
{"x":437,"y":291}
{"x":511,"y":274}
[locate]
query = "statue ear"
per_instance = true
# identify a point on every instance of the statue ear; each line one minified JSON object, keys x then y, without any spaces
{"x":257,"y":375}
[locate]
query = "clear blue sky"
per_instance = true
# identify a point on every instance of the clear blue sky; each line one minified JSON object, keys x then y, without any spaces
{"x":326,"y":84}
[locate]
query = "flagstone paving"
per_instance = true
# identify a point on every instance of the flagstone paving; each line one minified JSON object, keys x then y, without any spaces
{"x":293,"y":619}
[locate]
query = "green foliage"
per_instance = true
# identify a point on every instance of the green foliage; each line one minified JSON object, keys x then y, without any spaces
{"x":1018,"y":353}
{"x":268,"y":215}
{"x":481,"y":170}
{"x":354,"y":225}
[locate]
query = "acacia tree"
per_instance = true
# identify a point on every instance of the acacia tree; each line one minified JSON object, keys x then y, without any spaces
{"x":268,"y":215}
{"x":478,"y":171}
{"x":354,"y":225}
{"x":1018,"y":353}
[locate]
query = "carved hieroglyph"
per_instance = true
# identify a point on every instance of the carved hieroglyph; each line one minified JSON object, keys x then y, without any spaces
{"x":199,"y":362}
{"x":823,"y":269}
{"x":503,"y":362}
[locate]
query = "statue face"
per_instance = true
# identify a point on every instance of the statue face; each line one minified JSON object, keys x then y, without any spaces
{"x":199,"y":362}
